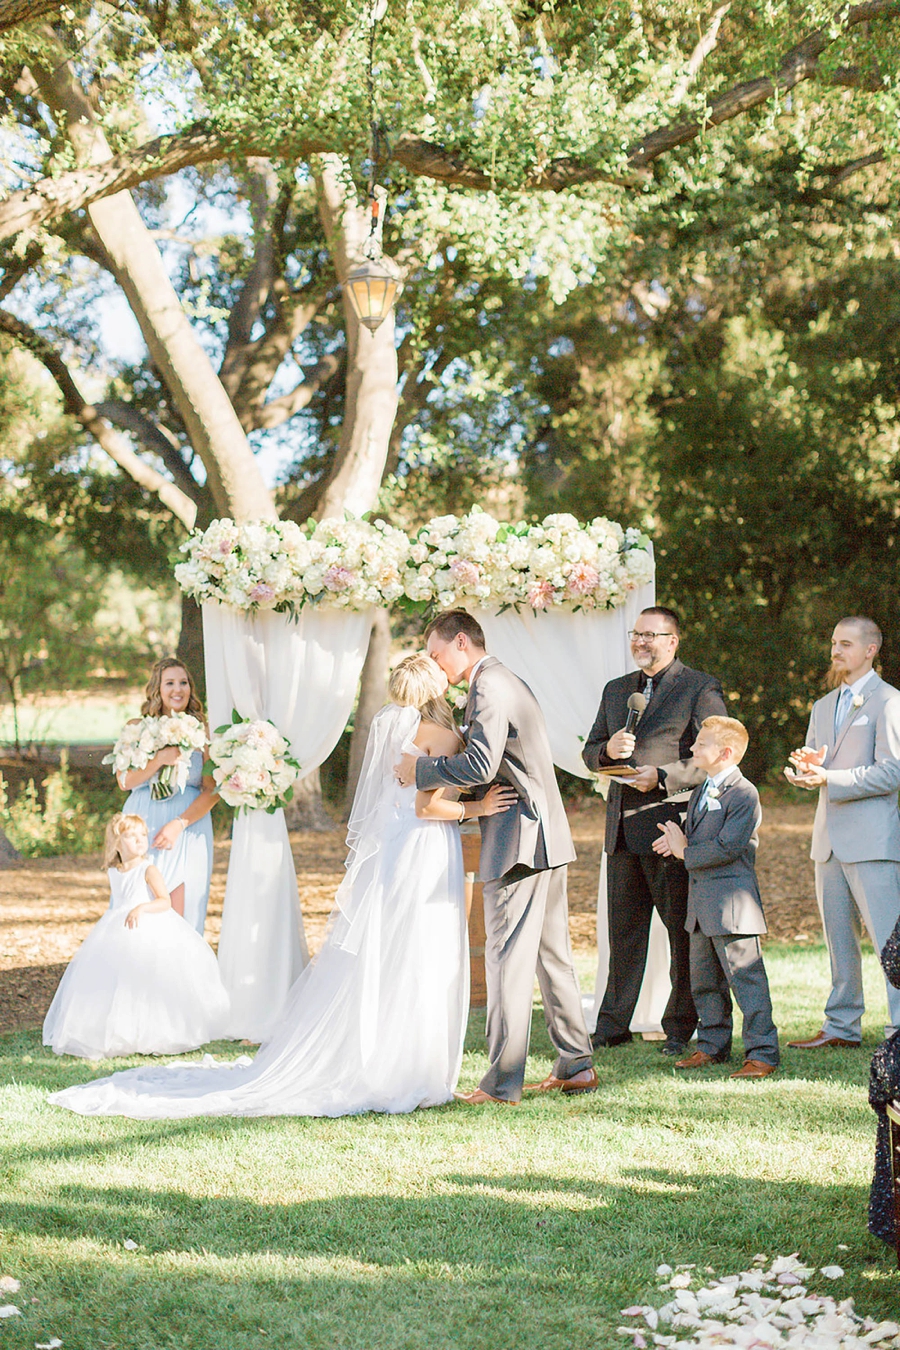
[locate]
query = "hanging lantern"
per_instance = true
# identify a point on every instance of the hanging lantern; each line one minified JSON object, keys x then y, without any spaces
{"x":372,"y":289}
{"x":373,"y":286}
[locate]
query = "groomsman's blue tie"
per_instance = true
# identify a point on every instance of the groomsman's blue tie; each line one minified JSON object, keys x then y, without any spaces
{"x":843,"y":705}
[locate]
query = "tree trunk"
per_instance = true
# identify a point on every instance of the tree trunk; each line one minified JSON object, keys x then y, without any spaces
{"x":371,"y":390}
{"x":306,"y":811}
{"x":190,"y":642}
{"x":9,"y":856}
{"x":372,"y":696}
{"x":234,"y":477}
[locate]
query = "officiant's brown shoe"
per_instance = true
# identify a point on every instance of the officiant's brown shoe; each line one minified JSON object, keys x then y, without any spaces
{"x":585,"y":1081}
{"x":754,"y":1068}
{"x":479,"y":1098}
{"x":699,"y":1060}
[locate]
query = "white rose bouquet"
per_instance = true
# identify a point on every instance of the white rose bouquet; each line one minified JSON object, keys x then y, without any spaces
{"x":251,"y":765}
{"x":141,"y":739}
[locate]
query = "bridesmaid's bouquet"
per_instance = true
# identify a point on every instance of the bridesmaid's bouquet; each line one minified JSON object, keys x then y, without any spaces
{"x":141,"y":739}
{"x":251,"y":765}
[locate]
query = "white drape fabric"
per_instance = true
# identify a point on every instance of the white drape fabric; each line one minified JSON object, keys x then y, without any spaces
{"x":303,"y":675}
{"x":566,"y":658}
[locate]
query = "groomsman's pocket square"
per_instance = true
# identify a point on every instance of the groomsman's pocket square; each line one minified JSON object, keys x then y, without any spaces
{"x":861,"y":721}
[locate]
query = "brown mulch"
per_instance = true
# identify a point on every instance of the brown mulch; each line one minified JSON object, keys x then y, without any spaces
{"x":47,"y":905}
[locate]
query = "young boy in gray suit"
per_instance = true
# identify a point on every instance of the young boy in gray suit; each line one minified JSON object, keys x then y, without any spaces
{"x":724,"y":914}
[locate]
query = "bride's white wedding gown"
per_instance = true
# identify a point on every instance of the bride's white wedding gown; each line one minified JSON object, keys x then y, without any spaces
{"x":377,"y":1022}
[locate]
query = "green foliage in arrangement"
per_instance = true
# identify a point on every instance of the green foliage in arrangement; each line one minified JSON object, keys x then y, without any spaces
{"x":63,"y":813}
{"x":526,"y":1228}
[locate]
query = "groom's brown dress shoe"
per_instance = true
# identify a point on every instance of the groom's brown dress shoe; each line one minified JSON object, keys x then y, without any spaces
{"x":586,"y":1081}
{"x":479,"y":1098}
{"x":754,"y":1068}
{"x":824,"y":1042}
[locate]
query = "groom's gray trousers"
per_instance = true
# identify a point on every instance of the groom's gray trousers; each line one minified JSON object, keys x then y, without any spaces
{"x":526,"y":921}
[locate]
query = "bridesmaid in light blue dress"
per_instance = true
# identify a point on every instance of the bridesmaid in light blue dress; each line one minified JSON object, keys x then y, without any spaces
{"x":179,"y":827}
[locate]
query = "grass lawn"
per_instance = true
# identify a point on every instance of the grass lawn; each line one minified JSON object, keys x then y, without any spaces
{"x":497,"y":1229}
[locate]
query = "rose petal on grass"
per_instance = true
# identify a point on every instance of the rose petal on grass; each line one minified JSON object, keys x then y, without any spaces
{"x":10,"y":1310}
{"x":832,"y":1272}
{"x":664,"y":1270}
{"x":53,"y":1344}
{"x":9,"y":1285}
{"x":130,"y":1245}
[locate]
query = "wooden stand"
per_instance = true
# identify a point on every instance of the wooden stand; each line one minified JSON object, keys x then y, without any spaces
{"x":471,"y":846}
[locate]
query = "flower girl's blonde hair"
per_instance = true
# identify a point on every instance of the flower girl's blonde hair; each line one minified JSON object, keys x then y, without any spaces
{"x":416,"y":683}
{"x":114,"y":831}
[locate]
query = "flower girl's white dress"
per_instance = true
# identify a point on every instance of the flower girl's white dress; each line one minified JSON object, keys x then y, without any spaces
{"x":150,"y":990}
{"x":377,"y":1022}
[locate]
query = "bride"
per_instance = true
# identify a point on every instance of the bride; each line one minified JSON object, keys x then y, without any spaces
{"x":377,"y":1022}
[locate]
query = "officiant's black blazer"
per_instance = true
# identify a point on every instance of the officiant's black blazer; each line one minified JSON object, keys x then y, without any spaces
{"x":664,"y":736}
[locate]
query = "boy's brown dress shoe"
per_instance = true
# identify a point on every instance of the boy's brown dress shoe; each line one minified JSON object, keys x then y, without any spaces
{"x":699,"y":1060}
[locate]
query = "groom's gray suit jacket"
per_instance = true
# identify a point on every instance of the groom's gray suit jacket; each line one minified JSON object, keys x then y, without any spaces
{"x":506,"y":742}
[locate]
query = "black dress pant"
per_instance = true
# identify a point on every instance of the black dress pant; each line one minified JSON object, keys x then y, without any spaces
{"x":637,"y":883}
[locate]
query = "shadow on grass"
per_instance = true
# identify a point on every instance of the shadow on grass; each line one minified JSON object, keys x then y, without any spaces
{"x":533,"y":1259}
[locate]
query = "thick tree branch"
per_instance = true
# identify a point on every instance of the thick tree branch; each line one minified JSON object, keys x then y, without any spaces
{"x":155,"y":438}
{"x":107,"y":437}
{"x":14,"y":13}
{"x":202,"y":143}
{"x":257,"y":284}
{"x":280,"y":410}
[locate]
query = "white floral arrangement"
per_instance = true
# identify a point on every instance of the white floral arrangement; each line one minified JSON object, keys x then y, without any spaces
{"x":141,"y":739}
{"x":250,"y":763}
{"x":559,"y":562}
{"x":277,"y":564}
{"x":453,"y":560}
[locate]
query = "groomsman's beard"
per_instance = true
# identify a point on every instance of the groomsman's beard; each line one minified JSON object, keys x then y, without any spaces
{"x":834,"y":676}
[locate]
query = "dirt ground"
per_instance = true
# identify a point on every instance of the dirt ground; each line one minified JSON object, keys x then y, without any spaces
{"x":47,"y":905}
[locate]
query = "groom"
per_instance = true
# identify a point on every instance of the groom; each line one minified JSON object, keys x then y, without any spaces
{"x":524,"y":854}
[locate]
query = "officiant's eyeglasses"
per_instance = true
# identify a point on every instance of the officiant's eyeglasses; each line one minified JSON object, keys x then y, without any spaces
{"x":635,"y":636}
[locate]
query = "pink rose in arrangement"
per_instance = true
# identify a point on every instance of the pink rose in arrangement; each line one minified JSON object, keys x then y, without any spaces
{"x":583,"y":579}
{"x":338,"y":578}
{"x":540,"y":595}
{"x":261,"y":593}
{"x":226,"y":546}
{"x":465,"y":573}
{"x":236,"y":783}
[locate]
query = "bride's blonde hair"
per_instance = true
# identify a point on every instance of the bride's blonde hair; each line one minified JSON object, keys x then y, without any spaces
{"x":416,"y":682}
{"x":114,"y":831}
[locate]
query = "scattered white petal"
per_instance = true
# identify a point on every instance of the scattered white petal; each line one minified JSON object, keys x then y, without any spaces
{"x":681,"y":1281}
{"x":842,"y":1247}
{"x":9,"y":1285}
{"x":787,"y":1277}
{"x":664,"y":1270}
{"x":53,"y":1344}
{"x":832,"y":1272}
{"x":10,"y":1310}
{"x":130,"y":1245}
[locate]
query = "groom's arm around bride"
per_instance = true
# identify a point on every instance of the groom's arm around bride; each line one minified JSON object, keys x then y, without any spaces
{"x":524,"y":853}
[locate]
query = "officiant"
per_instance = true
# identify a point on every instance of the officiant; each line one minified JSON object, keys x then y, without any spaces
{"x":657,"y":750}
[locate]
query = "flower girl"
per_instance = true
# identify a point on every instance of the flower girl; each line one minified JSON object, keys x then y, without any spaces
{"x":143,"y":981}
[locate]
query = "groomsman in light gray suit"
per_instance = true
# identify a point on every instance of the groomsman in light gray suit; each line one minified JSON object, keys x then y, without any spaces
{"x":524,"y":856}
{"x":852,"y":755}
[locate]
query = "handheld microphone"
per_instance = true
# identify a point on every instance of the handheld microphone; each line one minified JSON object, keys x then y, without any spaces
{"x":636,"y":705}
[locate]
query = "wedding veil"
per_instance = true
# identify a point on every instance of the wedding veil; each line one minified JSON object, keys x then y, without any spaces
{"x":377,"y":798}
